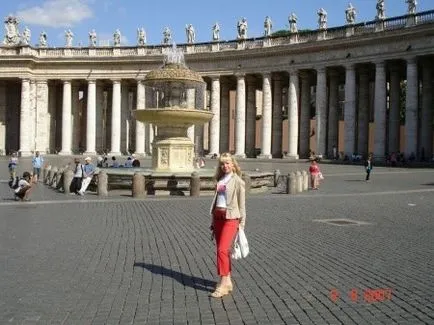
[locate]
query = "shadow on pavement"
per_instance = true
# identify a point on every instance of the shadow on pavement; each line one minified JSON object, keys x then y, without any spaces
{"x":355,"y":180}
{"x":428,"y":184}
{"x":185,"y":279}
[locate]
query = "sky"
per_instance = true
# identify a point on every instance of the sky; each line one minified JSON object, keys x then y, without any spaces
{"x":105,"y":16}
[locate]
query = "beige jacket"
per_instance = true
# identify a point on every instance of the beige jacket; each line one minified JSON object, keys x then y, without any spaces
{"x":235,"y":200}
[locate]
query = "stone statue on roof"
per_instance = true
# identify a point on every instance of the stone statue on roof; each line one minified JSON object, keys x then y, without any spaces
{"x":12,"y":35}
{"x":191,"y":34}
{"x":411,"y":7}
{"x":167,"y":35}
{"x":268,"y":25}
{"x":117,"y":38}
{"x":292,"y":19}
{"x":350,"y":14}
{"x":141,"y":36}
{"x":242,"y":28}
{"x":322,"y":19}
{"x":69,"y":36}
{"x":25,"y":36}
{"x":92,"y":38}
{"x":43,"y":39}
{"x":216,"y":32}
{"x":381,"y":10}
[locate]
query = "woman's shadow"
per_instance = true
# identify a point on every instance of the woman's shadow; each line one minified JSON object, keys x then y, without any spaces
{"x":185,"y":279}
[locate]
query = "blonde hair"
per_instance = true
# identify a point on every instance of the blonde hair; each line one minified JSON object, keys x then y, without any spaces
{"x":224,"y":157}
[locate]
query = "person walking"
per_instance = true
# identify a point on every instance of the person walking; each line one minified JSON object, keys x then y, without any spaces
{"x":78,"y":177}
{"x":315,"y":174}
{"x":88,"y":171}
{"x":37,"y":162}
{"x":368,"y":167}
{"x":228,"y":211}
{"x":12,"y":165}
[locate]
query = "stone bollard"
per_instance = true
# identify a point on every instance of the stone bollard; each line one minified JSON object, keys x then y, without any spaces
{"x":53,"y":178}
{"x":68,"y":175}
{"x":276,"y":177}
{"x":248,"y":182}
{"x":291,"y":186}
{"x":138,"y":189}
{"x":48,"y":176}
{"x":102,"y":189}
{"x":44,"y":173}
{"x":305,"y":176}
{"x":59,"y":179}
{"x":299,"y":178}
{"x":195,"y":184}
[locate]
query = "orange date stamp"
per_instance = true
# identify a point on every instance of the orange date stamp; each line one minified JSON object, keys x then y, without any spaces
{"x":366,"y":295}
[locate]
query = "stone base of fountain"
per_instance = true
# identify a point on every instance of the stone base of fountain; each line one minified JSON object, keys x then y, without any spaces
{"x":173,"y":154}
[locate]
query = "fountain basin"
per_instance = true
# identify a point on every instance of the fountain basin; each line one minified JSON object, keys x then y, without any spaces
{"x":173,"y":116}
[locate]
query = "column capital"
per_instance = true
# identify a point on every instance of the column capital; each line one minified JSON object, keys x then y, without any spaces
{"x":240,"y":75}
{"x":214,"y":77}
{"x":41,"y":81}
{"x":321,"y":69}
{"x":350,"y":66}
{"x":91,"y":81}
{"x":305,"y":75}
{"x":116,"y":81}
{"x":380,"y":63}
{"x":266,"y":74}
{"x":293,"y":71}
{"x":411,"y":60}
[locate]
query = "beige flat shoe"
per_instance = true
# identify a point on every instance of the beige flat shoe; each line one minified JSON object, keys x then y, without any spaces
{"x":221,"y":291}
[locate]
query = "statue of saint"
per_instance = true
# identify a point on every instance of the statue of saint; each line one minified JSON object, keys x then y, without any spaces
{"x":92,"y":38}
{"x":292,"y":19}
{"x":141,"y":36}
{"x":43,"y":39}
{"x":216,"y":32}
{"x":322,"y":19}
{"x":12,"y":35}
{"x":117,"y":38}
{"x":69,"y":36}
{"x":381,"y":8}
{"x":25,"y":37}
{"x":350,"y":14}
{"x":268,"y":25}
{"x":191,"y":35}
{"x":242,"y":28}
{"x":411,"y":7}
{"x":167,"y":35}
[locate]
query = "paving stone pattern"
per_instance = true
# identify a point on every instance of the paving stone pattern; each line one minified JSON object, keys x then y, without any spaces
{"x":118,"y":260}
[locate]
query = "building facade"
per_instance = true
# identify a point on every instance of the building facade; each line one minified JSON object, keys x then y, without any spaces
{"x":360,"y":88}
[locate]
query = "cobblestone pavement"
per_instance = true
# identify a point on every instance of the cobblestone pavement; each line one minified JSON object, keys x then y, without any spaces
{"x":119,"y":260}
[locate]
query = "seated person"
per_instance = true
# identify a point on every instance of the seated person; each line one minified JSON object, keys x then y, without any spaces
{"x":129,"y":162}
{"x":136,"y":163}
{"x":24,"y":188}
{"x":115,"y":164}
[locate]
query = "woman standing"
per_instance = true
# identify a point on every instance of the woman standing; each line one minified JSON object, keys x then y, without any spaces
{"x":13,"y":163}
{"x":314,"y":174}
{"x":228,"y":212}
{"x":368,"y":166}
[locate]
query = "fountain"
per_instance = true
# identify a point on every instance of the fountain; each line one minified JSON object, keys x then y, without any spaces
{"x":175,"y":101}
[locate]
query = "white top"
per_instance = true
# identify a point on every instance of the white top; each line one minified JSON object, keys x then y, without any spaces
{"x":21,"y":184}
{"x":221,"y":191}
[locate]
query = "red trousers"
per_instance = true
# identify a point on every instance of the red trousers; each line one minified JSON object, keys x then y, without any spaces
{"x":224,"y":232}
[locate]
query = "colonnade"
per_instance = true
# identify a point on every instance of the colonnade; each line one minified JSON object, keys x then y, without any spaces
{"x":355,"y":107}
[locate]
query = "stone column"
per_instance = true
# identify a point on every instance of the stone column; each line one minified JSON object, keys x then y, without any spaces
{"x":140,"y":126}
{"x":66,"y":119}
{"x":2,"y":119}
{"x":305,"y":115}
{"x":91,"y":118}
{"x":100,"y":118}
{"x":333,"y":118}
{"x":395,"y":103}
{"x":191,"y":92}
{"x":251,"y":117}
{"x":363,"y":118}
{"x":321,"y":111}
{"x":293,"y":91}
{"x":350,"y":110}
{"x":214,"y":125}
{"x":32,"y":117}
{"x":267,"y":115}
{"x":380,"y":111}
{"x":116,"y":120}
{"x":224,"y":118}
{"x":411,"y":108}
{"x":426,"y":131}
{"x":277,"y":121}
{"x":42,"y":117}
{"x":125,"y":118}
{"x":240,"y":115}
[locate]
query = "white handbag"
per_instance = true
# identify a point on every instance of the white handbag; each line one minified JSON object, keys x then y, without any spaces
{"x":240,"y":248}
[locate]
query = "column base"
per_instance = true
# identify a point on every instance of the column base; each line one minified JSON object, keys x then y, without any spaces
{"x":140,"y":154}
{"x":291,"y":157}
{"x":64,"y":153}
{"x":114,"y":153}
{"x":240,"y":155}
{"x":211,"y":155}
{"x":89,"y":153}
{"x":269,"y":156}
